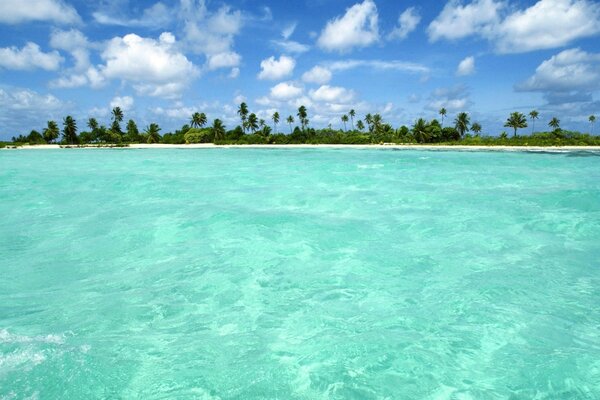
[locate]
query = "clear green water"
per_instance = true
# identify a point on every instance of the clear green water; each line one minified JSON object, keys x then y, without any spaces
{"x":299,"y":274}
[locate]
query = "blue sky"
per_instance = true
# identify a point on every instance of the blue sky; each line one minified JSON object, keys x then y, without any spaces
{"x":163,"y":60}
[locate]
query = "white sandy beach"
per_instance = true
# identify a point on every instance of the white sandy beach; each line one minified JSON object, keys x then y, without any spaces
{"x":335,"y":146}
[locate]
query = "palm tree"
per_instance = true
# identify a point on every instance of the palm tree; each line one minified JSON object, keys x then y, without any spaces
{"x":476,"y":127}
{"x":218,"y":129}
{"x":369,"y":121}
{"x":52,"y":132}
{"x":352,"y":114}
{"x":303,"y":116}
{"x":516,"y":121}
{"x":443,"y":113}
{"x":462,"y":123}
{"x":152,"y":132}
{"x":377,"y":122}
{"x":344,"y":120}
{"x":117,"y":114}
{"x":243,"y":113}
{"x":420,"y":132}
{"x":275,"y":119}
{"x":592,"y":120}
{"x":290,"y":121}
{"x":359,"y":125}
{"x":69,"y":130}
{"x":195,"y":120}
{"x":92,"y":124}
{"x":554,"y":123}
{"x":533,"y":115}
{"x":252,"y":122}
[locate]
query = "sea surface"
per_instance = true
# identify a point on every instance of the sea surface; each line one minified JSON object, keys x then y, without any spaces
{"x":299,"y":274}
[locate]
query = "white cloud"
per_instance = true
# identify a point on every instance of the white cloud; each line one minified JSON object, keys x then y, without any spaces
{"x":569,"y":70}
{"x":156,"y":16}
{"x":396,"y":65}
{"x":125,"y":102}
{"x":547,"y":24}
{"x":18,"y":11}
{"x":407,"y":22}
{"x":318,"y":75}
{"x":290,"y":46}
{"x":466,"y":67}
{"x":274,"y":69}
{"x":332,"y":94}
{"x":358,"y":27}
{"x":75,"y":43}
{"x":25,"y":99}
{"x":288,"y":31}
{"x":454,"y":99}
{"x":285,"y":91}
{"x":234,"y":73}
{"x":165,"y":71}
{"x":210,"y":33}
{"x":227,"y":59}
{"x":28,"y":58}
{"x":22,"y":109}
{"x":458,"y":21}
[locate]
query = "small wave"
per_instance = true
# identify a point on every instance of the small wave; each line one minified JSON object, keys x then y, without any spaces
{"x":7,"y":337}
{"x":20,"y":359}
{"x":370,"y":166}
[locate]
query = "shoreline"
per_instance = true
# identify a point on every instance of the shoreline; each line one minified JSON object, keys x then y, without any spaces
{"x":315,"y":146}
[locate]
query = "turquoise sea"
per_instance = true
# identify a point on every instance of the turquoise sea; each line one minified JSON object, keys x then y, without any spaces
{"x":299,"y":274}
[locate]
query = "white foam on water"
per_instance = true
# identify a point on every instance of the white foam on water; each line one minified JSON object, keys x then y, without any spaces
{"x":370,"y":166}
{"x":7,"y":337}
{"x":25,"y":359}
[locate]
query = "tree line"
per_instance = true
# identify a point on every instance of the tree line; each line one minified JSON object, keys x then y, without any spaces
{"x":371,"y":129}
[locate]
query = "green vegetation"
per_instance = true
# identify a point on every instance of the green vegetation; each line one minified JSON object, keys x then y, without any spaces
{"x":372,"y":129}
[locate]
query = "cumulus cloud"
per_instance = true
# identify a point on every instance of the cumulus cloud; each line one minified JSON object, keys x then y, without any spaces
{"x":407,"y":22}
{"x":164,"y":72}
{"x":223,"y":60}
{"x":210,"y":33}
{"x":21,"y":109}
{"x":318,"y":75}
{"x":124,"y":102}
{"x":546,"y":24}
{"x":358,"y":27}
{"x":453,"y":99}
{"x":274,"y":69}
{"x":569,"y":70}
{"x":28,"y":58}
{"x":285,"y":91}
{"x":457,"y":21}
{"x":466,"y":67}
{"x":18,"y":11}
{"x":332,"y":94}
{"x":74,"y":42}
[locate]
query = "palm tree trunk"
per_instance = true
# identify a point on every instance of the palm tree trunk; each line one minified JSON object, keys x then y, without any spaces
{"x":515,"y":135}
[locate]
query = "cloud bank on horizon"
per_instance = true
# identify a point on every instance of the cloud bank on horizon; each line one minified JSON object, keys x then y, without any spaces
{"x":161,"y":61}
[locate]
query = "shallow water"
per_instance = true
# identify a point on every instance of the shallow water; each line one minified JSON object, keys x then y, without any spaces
{"x":299,"y":274}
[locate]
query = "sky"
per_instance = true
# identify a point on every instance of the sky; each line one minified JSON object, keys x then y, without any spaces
{"x":161,"y":61}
